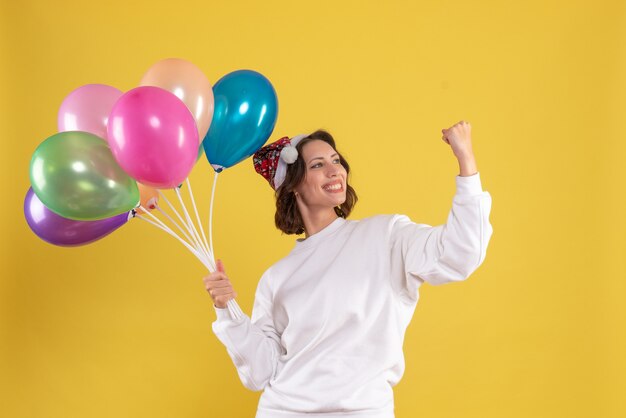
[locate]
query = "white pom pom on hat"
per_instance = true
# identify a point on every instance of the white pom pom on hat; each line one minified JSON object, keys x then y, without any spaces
{"x":289,"y":154}
{"x":295,"y":140}
{"x":272,"y":160}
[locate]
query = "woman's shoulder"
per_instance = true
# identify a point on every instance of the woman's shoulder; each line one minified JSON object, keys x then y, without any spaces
{"x":380,"y":223}
{"x":381,"y":219}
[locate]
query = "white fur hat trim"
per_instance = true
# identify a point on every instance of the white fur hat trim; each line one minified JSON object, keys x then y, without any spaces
{"x":288,"y":155}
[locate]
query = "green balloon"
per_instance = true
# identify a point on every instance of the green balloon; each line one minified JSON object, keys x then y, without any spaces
{"x":76,"y":176}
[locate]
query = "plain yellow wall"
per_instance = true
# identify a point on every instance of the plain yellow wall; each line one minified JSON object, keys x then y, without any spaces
{"x":122,"y":327}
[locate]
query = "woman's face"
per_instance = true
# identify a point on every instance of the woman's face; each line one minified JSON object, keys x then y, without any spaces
{"x":324,"y":184}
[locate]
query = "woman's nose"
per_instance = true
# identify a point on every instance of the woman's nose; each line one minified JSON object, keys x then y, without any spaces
{"x":333,"y":170}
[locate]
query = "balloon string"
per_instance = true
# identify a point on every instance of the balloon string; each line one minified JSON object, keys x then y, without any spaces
{"x":233,"y":306}
{"x":211,"y":212}
{"x":211,"y":254}
{"x":157,"y":220}
{"x":193,"y":231}
{"x":174,"y":222}
{"x":184,"y":223}
{"x":189,"y":224}
{"x":169,"y":231}
{"x":234,"y":309}
{"x":176,"y":212}
{"x":200,"y":252}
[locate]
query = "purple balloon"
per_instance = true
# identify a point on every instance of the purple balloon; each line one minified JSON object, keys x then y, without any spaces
{"x":64,"y":232}
{"x":87,"y":109}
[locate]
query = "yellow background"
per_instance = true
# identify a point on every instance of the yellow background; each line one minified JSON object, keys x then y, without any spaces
{"x":122,"y":327}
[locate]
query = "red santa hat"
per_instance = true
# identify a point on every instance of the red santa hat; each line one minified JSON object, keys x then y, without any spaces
{"x":272,"y":160}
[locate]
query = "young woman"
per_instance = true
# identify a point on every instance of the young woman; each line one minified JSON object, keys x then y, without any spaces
{"x":328,"y":322}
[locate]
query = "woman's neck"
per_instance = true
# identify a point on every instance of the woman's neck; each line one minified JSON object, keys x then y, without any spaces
{"x":316,"y":221}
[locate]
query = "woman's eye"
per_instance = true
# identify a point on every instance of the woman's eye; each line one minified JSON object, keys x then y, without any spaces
{"x":337,"y":160}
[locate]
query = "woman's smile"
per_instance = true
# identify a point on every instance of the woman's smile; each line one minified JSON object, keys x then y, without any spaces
{"x":334,"y":187}
{"x":325,"y":172}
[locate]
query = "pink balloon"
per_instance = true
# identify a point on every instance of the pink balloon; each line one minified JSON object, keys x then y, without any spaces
{"x":153,"y":137}
{"x":87,"y":109}
{"x":189,"y":84}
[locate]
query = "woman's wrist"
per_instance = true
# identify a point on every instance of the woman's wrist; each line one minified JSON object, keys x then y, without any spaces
{"x":467,"y":165}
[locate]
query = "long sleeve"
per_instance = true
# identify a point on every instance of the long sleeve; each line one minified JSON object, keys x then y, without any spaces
{"x":252,"y":343}
{"x":444,"y":253}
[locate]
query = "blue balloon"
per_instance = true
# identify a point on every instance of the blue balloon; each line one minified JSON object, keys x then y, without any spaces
{"x":244,"y":116}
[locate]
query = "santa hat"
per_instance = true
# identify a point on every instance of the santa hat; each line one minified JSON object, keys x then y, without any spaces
{"x":271,"y":161}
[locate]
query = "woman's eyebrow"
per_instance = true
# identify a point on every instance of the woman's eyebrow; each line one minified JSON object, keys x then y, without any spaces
{"x":320,"y":158}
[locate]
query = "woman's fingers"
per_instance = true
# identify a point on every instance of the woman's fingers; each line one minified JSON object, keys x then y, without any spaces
{"x":457,"y":125}
{"x":221,"y":297}
{"x":214,"y":277}
{"x":223,"y":292}
{"x":222,"y":301}
{"x":218,"y":286}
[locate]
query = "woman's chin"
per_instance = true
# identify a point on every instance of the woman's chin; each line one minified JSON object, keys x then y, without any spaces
{"x":340,"y":200}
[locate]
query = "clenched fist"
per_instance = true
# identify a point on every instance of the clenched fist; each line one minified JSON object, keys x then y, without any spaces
{"x":219,"y":287}
{"x":459,"y":137}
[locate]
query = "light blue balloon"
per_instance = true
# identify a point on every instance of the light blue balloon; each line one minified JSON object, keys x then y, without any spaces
{"x":244,"y":116}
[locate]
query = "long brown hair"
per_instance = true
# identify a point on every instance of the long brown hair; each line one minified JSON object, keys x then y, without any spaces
{"x":288,"y":218}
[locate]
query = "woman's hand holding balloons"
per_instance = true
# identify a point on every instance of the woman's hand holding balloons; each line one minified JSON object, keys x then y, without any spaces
{"x":219,"y":287}
{"x":459,"y":137}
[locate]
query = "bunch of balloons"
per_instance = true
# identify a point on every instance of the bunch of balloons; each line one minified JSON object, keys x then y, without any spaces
{"x":115,"y":151}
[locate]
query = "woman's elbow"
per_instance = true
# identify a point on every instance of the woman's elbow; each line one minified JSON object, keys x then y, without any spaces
{"x":447,"y":272}
{"x":255,"y":384}
{"x":253,"y":387}
{"x":257,"y":378}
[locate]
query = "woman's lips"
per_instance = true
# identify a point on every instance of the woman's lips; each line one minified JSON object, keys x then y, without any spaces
{"x":333,"y":189}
